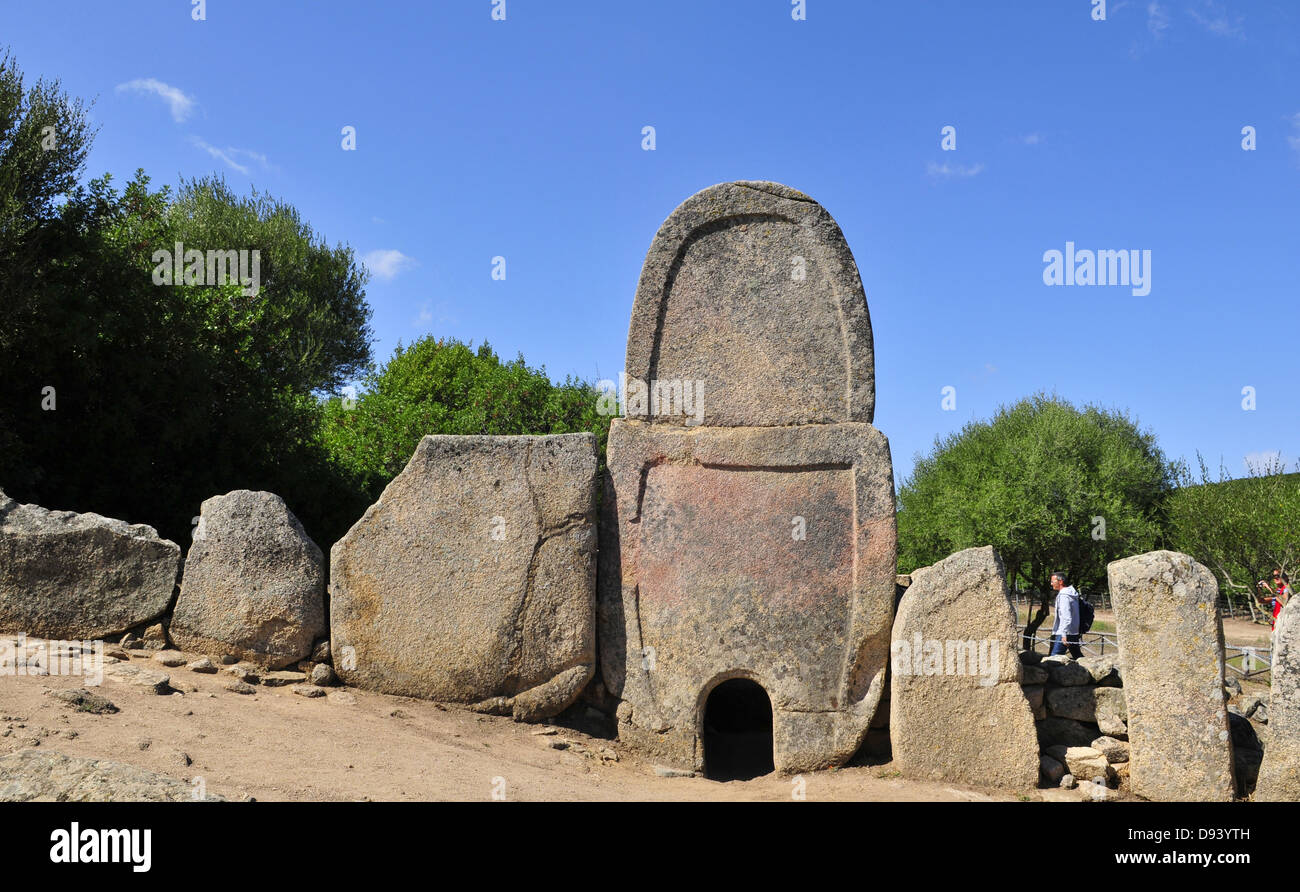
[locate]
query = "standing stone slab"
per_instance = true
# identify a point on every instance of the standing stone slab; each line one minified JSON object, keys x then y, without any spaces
{"x":1171,"y":647}
{"x":69,"y":575}
{"x":1279,"y":776}
{"x":958,"y":713}
{"x":254,"y":584}
{"x":754,"y":536}
{"x":472,"y":579}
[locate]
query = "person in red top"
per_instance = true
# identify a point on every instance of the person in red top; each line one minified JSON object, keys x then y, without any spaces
{"x":1280,"y":597}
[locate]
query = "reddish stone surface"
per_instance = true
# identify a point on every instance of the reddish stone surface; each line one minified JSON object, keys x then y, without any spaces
{"x":710,"y":535}
{"x":710,"y":583}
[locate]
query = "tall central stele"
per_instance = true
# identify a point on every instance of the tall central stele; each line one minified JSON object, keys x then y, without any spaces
{"x":749,"y":526}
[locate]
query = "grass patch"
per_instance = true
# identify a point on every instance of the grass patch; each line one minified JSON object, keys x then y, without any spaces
{"x":1239,"y":663}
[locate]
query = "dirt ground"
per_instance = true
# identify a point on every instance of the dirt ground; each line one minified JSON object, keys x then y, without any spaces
{"x":358,"y":745}
{"x":1244,"y":633}
{"x":274,"y":744}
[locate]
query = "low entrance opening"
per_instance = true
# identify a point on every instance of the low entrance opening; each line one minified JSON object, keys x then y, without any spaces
{"x":737,"y":731}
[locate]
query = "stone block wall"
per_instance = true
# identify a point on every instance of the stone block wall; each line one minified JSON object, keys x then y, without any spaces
{"x":1081,"y":718}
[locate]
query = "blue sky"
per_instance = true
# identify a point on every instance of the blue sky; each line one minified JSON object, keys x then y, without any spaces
{"x":522,"y":138}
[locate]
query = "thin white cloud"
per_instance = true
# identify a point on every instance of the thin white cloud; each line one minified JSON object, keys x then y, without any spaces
{"x":1264,"y":460}
{"x":947,"y":171}
{"x":1157,"y":19}
{"x":387,"y":264}
{"x":1294,"y":138}
{"x":1032,"y":139}
{"x":1215,"y":19}
{"x":221,"y":156}
{"x":434,"y":314}
{"x":256,"y":156}
{"x":229,"y":154}
{"x":182,"y":106}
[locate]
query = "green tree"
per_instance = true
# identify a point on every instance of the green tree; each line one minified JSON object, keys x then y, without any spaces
{"x":438,"y":386}
{"x":307,"y":327}
{"x":137,"y":399}
{"x":1240,"y":529}
{"x":44,"y":139}
{"x":1051,"y":487}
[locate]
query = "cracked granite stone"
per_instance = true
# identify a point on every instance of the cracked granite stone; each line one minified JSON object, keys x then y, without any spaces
{"x":472,"y":579}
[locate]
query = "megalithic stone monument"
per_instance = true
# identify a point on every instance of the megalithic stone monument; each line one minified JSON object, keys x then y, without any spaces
{"x":749,"y":525}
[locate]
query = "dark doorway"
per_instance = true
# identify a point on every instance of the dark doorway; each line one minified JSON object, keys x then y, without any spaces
{"x":737,"y":731}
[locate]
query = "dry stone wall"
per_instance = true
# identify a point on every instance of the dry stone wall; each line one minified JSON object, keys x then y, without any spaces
{"x":1081,"y":718}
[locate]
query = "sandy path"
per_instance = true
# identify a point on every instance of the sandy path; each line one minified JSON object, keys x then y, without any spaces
{"x":356,"y":745}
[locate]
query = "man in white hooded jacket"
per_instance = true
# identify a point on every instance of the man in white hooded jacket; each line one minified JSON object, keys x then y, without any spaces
{"x":1065,"y":629}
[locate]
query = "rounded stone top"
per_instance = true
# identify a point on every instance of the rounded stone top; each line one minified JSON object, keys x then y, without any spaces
{"x":750,"y":312}
{"x":777,"y":189}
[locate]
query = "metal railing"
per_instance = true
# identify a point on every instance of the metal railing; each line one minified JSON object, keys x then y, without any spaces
{"x":1254,"y":660}
{"x":1099,"y":600}
{"x":1246,"y":610}
{"x":1093,"y":644}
